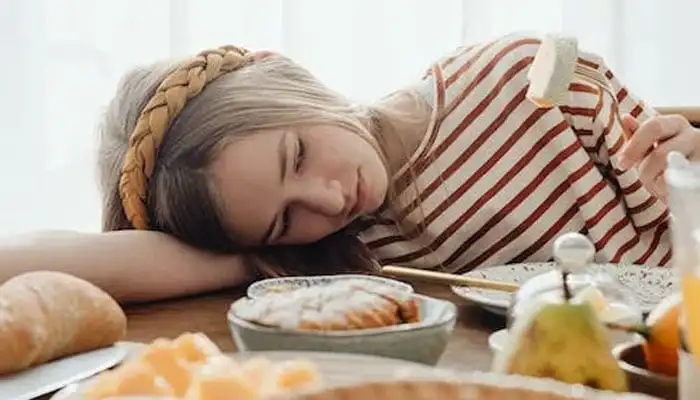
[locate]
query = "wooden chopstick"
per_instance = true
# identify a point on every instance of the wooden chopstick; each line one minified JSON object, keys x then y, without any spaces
{"x":448,"y":279}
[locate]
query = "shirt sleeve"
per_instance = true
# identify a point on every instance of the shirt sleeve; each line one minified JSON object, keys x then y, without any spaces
{"x":594,"y":115}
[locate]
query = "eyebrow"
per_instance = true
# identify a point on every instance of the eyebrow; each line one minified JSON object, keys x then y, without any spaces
{"x":282,"y":157}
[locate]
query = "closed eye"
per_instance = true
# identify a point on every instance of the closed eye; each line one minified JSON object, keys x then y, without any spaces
{"x":299,"y":155}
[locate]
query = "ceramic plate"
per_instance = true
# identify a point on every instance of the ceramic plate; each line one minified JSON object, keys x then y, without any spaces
{"x":497,"y":340}
{"x":265,"y":286}
{"x":54,"y":375}
{"x":336,"y":369}
{"x":649,"y":284}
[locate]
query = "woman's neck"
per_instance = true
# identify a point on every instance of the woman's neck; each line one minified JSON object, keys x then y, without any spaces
{"x":402,"y":121}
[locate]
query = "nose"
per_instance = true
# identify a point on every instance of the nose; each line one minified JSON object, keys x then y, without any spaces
{"x":322,"y":197}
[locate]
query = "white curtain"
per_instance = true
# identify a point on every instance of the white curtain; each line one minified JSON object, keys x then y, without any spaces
{"x":61,"y":60}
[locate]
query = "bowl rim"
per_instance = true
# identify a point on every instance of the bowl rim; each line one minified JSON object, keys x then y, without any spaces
{"x":447,"y":317}
{"x":260,"y":283}
{"x":622,"y":347}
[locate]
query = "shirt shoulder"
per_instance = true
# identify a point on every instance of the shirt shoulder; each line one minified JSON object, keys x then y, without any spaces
{"x":480,"y":58}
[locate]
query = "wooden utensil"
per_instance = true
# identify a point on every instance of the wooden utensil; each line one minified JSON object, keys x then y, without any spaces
{"x":448,"y":279}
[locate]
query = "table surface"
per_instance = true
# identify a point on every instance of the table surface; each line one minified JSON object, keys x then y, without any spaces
{"x":467,"y":350}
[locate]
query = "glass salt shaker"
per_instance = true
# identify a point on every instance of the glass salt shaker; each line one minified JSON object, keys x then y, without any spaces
{"x":574,"y":252}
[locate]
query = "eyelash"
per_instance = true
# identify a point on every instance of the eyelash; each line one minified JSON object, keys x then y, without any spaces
{"x":298,"y":160}
{"x":300,"y":154}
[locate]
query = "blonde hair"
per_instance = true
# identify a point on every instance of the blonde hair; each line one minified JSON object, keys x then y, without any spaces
{"x":174,"y":187}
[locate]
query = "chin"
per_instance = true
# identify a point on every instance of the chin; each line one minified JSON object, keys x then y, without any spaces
{"x":375,"y":202}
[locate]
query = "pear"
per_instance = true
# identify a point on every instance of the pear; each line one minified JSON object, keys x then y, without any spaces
{"x":564,"y":341}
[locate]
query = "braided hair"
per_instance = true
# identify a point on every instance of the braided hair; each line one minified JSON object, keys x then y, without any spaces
{"x":168,"y":122}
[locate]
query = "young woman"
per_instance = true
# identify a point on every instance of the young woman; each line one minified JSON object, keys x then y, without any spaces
{"x":235,"y":164}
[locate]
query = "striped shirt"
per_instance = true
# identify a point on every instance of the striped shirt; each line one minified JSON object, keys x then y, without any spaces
{"x":496,"y":180}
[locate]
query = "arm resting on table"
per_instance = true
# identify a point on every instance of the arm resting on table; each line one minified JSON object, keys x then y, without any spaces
{"x":132,"y":266}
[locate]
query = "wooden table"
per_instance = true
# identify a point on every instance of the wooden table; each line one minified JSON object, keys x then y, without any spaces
{"x":468,"y":348}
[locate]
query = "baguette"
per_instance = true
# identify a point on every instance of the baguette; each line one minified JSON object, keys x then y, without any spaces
{"x":48,"y":315}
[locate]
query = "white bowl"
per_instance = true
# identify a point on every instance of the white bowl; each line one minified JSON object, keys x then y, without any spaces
{"x":424,"y":341}
{"x":276,"y":285}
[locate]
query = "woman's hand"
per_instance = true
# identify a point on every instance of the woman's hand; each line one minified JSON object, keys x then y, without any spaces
{"x":649,"y":143}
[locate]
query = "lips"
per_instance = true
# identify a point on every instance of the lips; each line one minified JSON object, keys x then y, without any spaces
{"x":360,"y":196}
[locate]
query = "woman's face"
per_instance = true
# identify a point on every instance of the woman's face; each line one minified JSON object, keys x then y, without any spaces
{"x":299,"y":185}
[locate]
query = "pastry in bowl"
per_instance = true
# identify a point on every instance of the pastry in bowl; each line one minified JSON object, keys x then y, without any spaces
{"x":339,"y":306}
{"x":345,"y":316}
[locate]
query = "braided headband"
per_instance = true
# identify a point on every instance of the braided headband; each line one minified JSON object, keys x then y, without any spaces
{"x":183,"y":84}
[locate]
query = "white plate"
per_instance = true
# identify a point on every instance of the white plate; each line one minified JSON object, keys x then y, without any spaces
{"x":499,"y":339}
{"x":649,"y":284}
{"x":336,"y":369}
{"x":54,"y":375}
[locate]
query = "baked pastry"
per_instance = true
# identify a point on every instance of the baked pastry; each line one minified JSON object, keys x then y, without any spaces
{"x":338,"y":306}
{"x":48,"y":315}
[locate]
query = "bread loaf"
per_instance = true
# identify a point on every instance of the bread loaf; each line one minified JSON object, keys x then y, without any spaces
{"x":48,"y":315}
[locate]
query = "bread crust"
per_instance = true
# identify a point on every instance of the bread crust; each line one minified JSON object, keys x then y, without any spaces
{"x":47,"y":315}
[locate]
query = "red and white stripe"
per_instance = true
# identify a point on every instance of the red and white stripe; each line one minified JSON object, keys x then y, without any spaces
{"x":496,"y":179}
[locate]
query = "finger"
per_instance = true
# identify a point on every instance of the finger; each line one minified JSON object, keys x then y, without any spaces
{"x":654,"y":164}
{"x":629,"y":126}
{"x":661,"y":188}
{"x":650,"y":133}
{"x":658,"y":187}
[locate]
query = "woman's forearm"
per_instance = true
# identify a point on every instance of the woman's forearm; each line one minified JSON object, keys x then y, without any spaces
{"x":132,"y":266}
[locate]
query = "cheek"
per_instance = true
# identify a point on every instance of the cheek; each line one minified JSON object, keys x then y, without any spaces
{"x":360,"y":152}
{"x":356,"y":143}
{"x":307,"y":227}
{"x":345,"y":148}
{"x":328,"y":160}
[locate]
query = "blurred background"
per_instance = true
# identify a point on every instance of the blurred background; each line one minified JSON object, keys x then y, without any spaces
{"x":61,"y":60}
